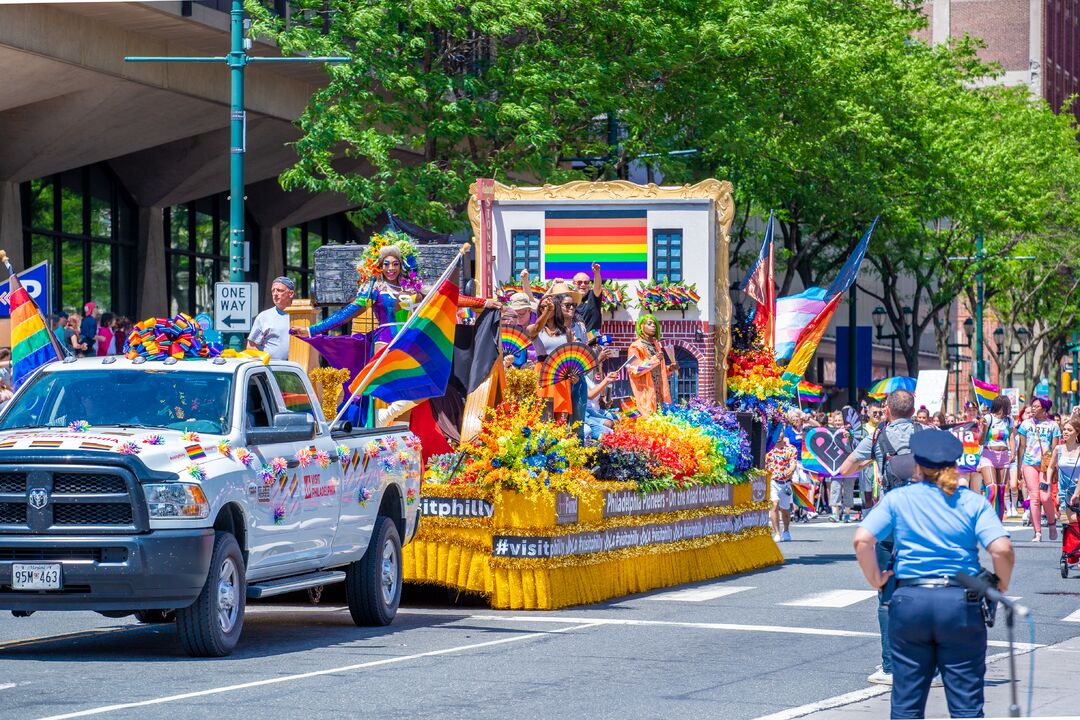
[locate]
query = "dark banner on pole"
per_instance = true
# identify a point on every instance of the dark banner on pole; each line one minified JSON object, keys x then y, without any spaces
{"x":864,"y":351}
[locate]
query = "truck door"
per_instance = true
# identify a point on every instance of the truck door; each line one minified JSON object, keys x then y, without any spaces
{"x":319,"y":470}
{"x":279,"y":536}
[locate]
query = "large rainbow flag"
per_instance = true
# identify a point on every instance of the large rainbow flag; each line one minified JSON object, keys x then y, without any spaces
{"x":793,"y":314}
{"x":574,"y":239}
{"x":32,"y":344}
{"x":416,"y":364}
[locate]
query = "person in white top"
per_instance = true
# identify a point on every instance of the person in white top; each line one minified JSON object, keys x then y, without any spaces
{"x":270,"y":331}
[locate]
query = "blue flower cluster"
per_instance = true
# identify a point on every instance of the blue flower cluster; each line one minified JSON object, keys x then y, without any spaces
{"x":541,"y":454}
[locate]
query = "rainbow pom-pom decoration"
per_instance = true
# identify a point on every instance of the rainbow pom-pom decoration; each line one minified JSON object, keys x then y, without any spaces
{"x":567,"y":362}
{"x":513,"y":340}
{"x":159,"y":338}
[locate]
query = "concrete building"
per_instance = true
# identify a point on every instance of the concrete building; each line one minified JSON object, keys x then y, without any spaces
{"x":117,"y":173}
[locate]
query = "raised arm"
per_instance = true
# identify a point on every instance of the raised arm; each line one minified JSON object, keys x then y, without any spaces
{"x":597,"y":281}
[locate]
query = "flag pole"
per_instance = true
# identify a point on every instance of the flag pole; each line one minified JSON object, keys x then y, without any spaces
{"x":60,"y":353}
{"x":378,"y":360}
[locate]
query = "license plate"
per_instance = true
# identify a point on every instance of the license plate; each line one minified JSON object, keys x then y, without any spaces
{"x":36,"y":577}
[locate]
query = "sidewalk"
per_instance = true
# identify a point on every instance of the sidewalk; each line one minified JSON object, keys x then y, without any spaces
{"x":1054,"y":691}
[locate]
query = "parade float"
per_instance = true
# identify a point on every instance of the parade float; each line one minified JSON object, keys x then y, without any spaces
{"x":520,"y":511}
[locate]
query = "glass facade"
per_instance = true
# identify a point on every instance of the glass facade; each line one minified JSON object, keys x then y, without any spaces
{"x":299,"y":243}
{"x":84,"y":224}
{"x":197,"y":252}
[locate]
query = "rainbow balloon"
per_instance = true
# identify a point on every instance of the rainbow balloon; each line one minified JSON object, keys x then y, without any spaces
{"x":513,"y":340}
{"x":568,"y":361}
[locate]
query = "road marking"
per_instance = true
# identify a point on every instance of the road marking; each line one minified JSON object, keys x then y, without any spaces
{"x":7,"y":686}
{"x":861,"y":695}
{"x":701,"y":594}
{"x":833,"y":598}
{"x":1072,"y":617}
{"x":312,"y":674}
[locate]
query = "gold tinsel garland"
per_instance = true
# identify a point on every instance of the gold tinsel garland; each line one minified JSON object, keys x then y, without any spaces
{"x":327,"y":382}
{"x":521,"y":383}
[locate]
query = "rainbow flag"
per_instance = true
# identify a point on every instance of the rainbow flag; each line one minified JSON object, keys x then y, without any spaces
{"x":32,"y":344}
{"x":809,"y":392}
{"x":416,"y":364}
{"x":573,"y":239}
{"x":800,"y":494}
{"x":793,"y":314}
{"x":809,"y":339}
{"x":629,"y":408}
{"x":984,"y":391}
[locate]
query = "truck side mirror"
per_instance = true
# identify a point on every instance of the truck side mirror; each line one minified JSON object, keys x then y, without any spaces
{"x":287,"y":427}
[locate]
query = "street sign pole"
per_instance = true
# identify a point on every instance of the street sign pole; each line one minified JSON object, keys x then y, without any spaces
{"x":237,"y":60}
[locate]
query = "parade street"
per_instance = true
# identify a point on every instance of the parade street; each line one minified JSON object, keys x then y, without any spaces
{"x":778,"y":641}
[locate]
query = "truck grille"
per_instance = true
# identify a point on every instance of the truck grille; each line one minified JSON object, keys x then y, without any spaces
{"x":62,"y":554}
{"x":72,"y":499}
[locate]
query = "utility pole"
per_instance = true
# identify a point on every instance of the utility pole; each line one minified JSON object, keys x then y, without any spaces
{"x":852,"y":354}
{"x":237,"y":60}
{"x":980,"y":300}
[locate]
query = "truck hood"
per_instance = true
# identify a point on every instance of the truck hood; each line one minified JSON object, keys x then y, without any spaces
{"x":159,"y":449}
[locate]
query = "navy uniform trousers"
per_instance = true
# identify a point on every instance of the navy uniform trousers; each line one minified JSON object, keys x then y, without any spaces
{"x":936,"y":628}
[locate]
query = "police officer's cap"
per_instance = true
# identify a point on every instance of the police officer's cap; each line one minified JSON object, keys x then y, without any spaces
{"x":936,"y":448}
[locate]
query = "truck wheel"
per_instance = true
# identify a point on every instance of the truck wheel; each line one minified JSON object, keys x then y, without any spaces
{"x":210,"y":627}
{"x":373,"y":583}
{"x":155,"y":617}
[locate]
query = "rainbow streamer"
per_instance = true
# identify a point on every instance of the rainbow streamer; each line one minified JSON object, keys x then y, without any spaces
{"x":570,"y":360}
{"x":416,"y":364}
{"x":32,"y":345}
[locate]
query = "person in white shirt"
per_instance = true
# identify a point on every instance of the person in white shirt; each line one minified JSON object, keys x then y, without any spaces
{"x":270,"y":331}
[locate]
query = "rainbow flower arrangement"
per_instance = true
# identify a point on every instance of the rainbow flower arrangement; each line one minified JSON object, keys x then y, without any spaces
{"x":368,"y":268}
{"x":682,"y":454}
{"x":614,"y":296}
{"x":518,"y":450}
{"x":511,"y":286}
{"x":755,"y":383}
{"x":721,"y":425}
{"x":653,"y":297}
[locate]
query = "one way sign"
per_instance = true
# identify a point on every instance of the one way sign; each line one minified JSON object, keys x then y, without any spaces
{"x":234,"y":306}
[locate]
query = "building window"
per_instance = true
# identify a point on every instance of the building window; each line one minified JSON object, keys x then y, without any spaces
{"x":197,"y":253}
{"x":686,"y":385}
{"x":524,"y":252}
{"x":83,"y":223}
{"x":667,"y":256}
{"x":299,"y":243}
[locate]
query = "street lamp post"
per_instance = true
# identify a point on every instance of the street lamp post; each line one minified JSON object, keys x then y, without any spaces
{"x":879,"y":322}
{"x":999,"y":341}
{"x":237,"y":60}
{"x":969,"y":331}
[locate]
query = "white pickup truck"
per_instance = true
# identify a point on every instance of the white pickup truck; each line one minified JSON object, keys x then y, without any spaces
{"x":177,"y":490}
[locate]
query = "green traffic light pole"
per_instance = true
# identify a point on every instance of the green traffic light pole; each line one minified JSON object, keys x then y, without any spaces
{"x":237,"y":60}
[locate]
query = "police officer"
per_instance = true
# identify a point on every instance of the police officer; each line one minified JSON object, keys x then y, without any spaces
{"x":933,"y":624}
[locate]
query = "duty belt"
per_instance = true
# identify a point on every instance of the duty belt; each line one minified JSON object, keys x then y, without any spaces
{"x":929,"y":582}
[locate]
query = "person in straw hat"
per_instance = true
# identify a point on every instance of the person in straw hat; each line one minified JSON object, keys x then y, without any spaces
{"x":555,"y":326}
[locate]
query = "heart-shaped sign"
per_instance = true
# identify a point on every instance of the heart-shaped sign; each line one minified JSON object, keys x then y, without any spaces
{"x":825,"y":449}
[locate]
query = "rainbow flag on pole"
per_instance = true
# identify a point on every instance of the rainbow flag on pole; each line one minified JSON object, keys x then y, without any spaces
{"x":810,"y":392}
{"x":32,"y":344}
{"x":984,"y":391}
{"x":573,"y":239}
{"x":416,"y":364}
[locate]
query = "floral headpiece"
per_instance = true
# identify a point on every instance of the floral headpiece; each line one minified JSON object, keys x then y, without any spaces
{"x":369,"y":266}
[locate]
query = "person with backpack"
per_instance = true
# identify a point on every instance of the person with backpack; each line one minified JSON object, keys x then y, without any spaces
{"x":889,"y":448}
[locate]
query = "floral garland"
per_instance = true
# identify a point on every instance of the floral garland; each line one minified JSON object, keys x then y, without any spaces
{"x":666,"y":296}
{"x":368,"y":267}
{"x":755,"y":383}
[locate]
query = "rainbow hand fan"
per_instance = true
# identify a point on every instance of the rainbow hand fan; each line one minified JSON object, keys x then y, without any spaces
{"x":513,"y":340}
{"x":569,"y":361}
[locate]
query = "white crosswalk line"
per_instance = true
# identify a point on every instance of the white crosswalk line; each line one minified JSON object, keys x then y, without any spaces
{"x":833,"y":598}
{"x":701,"y":594}
{"x":1073,"y":617}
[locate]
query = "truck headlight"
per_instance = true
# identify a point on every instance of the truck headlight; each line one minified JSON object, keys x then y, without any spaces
{"x":176,"y":500}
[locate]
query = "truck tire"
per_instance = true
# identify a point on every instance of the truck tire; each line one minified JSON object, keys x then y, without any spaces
{"x":373,"y":583}
{"x":210,"y":627}
{"x":155,"y":617}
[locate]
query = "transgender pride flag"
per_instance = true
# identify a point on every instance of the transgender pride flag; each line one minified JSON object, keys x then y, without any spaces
{"x":793,"y":314}
{"x":575,"y":239}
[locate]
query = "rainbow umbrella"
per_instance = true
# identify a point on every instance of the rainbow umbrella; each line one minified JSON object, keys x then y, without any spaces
{"x":883,"y":387}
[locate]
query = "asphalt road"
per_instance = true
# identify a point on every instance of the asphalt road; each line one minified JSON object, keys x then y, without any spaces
{"x":728,"y":648}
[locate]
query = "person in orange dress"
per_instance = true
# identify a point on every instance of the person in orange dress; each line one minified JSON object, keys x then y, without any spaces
{"x":648,"y":367}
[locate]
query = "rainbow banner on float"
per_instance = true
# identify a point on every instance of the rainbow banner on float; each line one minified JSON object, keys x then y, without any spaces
{"x":575,"y":239}
{"x":32,"y":345}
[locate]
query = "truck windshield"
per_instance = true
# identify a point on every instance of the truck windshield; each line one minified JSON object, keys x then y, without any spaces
{"x":196,"y":401}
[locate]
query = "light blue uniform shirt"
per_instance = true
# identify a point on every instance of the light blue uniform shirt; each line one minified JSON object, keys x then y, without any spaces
{"x":936,"y":535}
